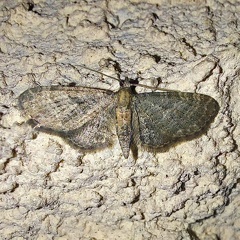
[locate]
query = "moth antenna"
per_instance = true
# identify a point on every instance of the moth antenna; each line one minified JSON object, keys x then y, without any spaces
{"x":153,"y":88}
{"x":132,"y":84}
{"x":83,"y":66}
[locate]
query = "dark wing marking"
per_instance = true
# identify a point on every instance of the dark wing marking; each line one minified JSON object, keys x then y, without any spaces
{"x":165,"y":117}
{"x":83,"y":116}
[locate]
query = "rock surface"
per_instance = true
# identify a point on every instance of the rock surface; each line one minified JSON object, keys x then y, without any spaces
{"x":50,"y":190}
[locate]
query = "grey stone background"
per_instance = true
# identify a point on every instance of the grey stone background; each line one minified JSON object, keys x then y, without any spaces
{"x":51,"y":191}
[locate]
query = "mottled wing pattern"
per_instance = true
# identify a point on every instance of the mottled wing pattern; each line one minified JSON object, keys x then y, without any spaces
{"x":99,"y":132}
{"x":164,"y":117}
{"x":83,"y":116}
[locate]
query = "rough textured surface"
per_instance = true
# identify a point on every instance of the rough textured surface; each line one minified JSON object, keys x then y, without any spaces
{"x":50,"y":190}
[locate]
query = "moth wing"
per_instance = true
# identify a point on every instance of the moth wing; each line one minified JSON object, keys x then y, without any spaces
{"x":163,"y":118}
{"x":82,"y":116}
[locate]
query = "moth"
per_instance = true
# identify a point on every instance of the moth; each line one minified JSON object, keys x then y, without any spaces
{"x":91,"y":118}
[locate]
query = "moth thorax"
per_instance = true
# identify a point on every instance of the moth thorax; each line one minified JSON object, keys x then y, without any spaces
{"x":124,"y":97}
